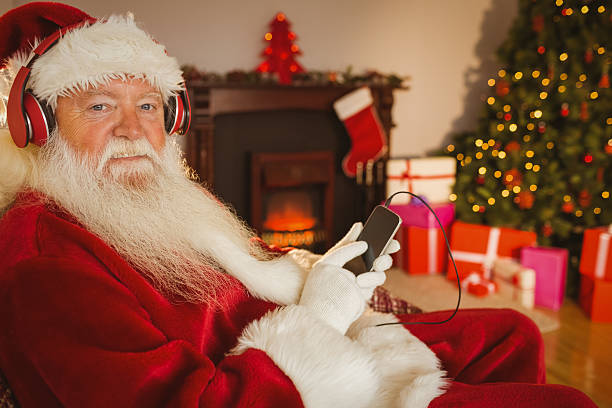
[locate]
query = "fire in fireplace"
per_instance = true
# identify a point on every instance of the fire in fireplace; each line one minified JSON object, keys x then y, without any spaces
{"x":292,"y":198}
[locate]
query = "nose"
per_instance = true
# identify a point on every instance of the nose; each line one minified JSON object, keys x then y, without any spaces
{"x":128,"y":124}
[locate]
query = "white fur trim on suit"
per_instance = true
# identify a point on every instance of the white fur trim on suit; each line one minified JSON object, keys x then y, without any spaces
{"x":328,"y":369}
{"x":410,"y":372}
{"x":94,"y":54}
{"x":354,"y":102}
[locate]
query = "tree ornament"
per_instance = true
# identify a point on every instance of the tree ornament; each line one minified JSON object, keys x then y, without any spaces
{"x":537,"y":23}
{"x":547,"y":230}
{"x":281,"y":51}
{"x":604,"y":82}
{"x":600,"y":174}
{"x":513,"y":178}
{"x":502,"y":88}
{"x":512,"y":146}
{"x":608,"y":148}
{"x":564,"y":109}
{"x":541,"y":127}
{"x":525,"y":200}
{"x":584,"y":111}
{"x":567,"y":207}
{"x":588,"y":56}
{"x":584,"y":198}
{"x":541,"y":49}
{"x":588,"y":159}
{"x":480,"y":179}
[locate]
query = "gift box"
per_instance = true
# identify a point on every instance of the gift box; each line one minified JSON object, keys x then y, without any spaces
{"x":475,"y":247}
{"x":423,"y":250}
{"x":416,"y":214}
{"x":550,"y":266}
{"x":596,"y":298}
{"x":430,"y":177}
{"x":514,"y":281}
{"x":596,"y":258}
{"x":475,"y":284}
{"x":423,"y":247}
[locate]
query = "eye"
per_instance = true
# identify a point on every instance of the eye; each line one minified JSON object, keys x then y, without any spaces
{"x":147,"y":106}
{"x":98,"y":107}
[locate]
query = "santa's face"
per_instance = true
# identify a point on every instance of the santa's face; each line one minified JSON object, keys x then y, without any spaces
{"x":114,"y":126}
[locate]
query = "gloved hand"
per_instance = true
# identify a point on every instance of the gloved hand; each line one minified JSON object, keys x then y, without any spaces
{"x":331,"y":292}
{"x":369,"y":281}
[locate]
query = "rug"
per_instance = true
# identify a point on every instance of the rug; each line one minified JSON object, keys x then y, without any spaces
{"x":435,"y":292}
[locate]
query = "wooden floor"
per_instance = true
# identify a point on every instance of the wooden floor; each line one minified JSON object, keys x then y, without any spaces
{"x":579,"y":354}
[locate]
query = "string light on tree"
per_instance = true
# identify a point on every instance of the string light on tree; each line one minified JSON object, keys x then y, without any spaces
{"x":547,"y":113}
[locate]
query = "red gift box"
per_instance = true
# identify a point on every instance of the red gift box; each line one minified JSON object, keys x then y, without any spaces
{"x":596,"y":259}
{"x":423,"y":250}
{"x":475,"y":247}
{"x":596,"y":298}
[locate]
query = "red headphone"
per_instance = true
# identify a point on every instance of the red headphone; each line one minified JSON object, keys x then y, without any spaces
{"x":31,"y":120}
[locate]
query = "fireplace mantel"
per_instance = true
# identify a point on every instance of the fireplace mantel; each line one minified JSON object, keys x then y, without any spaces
{"x":210,"y":100}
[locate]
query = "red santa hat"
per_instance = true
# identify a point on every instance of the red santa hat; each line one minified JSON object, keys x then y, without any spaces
{"x":90,"y":52}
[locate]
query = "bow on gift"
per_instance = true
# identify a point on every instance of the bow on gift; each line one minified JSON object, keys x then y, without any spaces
{"x":475,"y":284}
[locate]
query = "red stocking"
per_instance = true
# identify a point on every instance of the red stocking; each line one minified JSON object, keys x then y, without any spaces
{"x":363,"y":126}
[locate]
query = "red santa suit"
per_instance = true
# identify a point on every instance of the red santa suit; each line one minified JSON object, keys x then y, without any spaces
{"x":81,"y":328}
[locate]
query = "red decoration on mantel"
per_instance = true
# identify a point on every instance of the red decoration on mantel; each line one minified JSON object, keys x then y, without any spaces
{"x":281,"y":51}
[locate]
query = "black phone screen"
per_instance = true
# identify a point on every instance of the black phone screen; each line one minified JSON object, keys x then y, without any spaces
{"x":378,"y":231}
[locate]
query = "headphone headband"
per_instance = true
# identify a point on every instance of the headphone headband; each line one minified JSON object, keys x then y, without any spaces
{"x":30,"y":120}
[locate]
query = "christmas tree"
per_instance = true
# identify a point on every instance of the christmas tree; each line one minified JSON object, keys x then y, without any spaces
{"x":281,"y":51}
{"x":541,"y":157}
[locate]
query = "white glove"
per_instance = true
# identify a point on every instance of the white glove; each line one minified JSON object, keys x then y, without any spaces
{"x":331,"y":292}
{"x":370,"y":280}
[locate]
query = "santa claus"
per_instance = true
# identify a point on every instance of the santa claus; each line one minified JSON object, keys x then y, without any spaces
{"x":124,"y":283}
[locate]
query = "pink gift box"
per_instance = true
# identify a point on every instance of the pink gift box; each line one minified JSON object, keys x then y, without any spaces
{"x":550,"y":265}
{"x":423,"y":249}
{"x":418,"y":215}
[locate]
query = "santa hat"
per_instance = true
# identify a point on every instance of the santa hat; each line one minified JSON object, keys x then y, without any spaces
{"x":89,"y":53}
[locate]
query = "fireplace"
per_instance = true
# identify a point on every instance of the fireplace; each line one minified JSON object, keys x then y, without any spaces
{"x":274,"y":154}
{"x":292,"y":197}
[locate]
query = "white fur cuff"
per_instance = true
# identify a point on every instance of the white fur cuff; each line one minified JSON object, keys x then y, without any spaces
{"x":328,"y":369}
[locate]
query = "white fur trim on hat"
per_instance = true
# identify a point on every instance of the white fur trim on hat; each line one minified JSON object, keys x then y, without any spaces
{"x":92,"y":55}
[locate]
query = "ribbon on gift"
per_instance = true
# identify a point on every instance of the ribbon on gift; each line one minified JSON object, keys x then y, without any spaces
{"x":485,"y":259}
{"x":432,"y":250}
{"x":410,"y":177}
{"x":602,"y":254}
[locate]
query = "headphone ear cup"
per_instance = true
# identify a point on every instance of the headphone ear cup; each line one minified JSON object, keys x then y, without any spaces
{"x":177,"y":115}
{"x":39,"y":119}
{"x":170,"y":114}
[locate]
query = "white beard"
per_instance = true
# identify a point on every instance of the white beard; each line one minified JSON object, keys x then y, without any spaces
{"x":165,"y":225}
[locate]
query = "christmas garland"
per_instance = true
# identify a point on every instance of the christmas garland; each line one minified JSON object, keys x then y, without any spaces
{"x":310,"y":78}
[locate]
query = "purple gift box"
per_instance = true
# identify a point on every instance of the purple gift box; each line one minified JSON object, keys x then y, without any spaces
{"x":550,"y":265}
{"x":418,"y":215}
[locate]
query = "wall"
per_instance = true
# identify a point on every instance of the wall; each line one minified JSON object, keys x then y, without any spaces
{"x":446,"y":46}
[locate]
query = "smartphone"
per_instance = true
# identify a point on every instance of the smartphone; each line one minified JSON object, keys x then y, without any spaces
{"x":378,"y":231}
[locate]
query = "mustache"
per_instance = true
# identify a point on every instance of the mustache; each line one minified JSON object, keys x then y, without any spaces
{"x":121,"y":147}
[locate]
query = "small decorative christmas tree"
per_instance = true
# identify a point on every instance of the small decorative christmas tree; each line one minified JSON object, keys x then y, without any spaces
{"x":281,"y":51}
{"x":541,"y":158}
